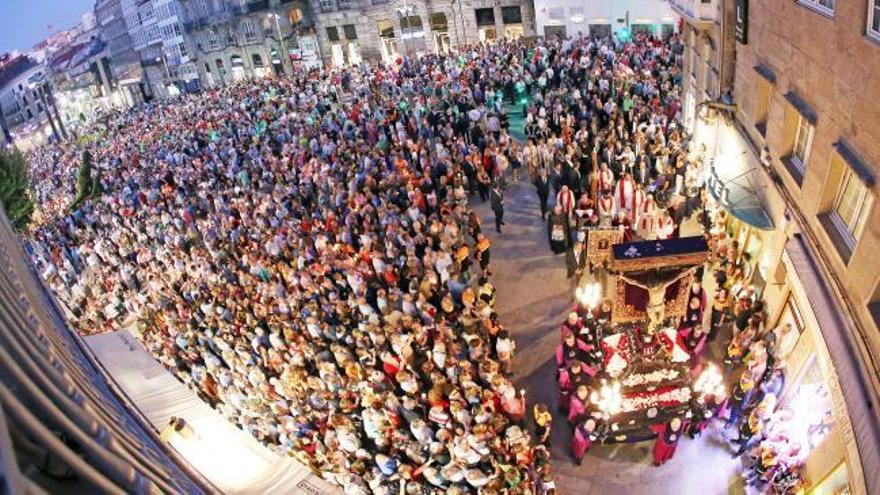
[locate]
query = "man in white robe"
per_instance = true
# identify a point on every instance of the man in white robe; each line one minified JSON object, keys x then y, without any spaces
{"x":625,"y":194}
{"x":647,"y":222}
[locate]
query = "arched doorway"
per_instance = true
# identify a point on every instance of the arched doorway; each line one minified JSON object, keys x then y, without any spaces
{"x":413,"y":34}
{"x":440,"y":30}
{"x":388,"y":41}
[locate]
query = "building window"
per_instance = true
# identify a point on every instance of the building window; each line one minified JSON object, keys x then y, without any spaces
{"x":386,"y":28}
{"x":257,"y":59}
{"x":851,"y":208}
{"x":802,"y":140}
{"x":333,"y":33}
{"x":327,"y":5}
{"x":763,"y":94}
{"x":247,"y":28}
{"x":212,"y":40}
{"x":556,"y":15}
{"x":511,"y":15}
{"x":874,"y":19}
{"x":811,"y":409}
{"x":179,"y":51}
{"x":350,"y":32}
{"x":438,"y":22}
{"x":486,"y":17}
{"x":823,"y":6}
{"x":410,"y":26}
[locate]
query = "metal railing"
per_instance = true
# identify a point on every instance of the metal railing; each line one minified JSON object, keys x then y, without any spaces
{"x":58,"y":408}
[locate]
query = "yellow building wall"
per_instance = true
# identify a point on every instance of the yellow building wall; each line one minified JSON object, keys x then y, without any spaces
{"x":833,"y":67}
{"x":840,"y":444}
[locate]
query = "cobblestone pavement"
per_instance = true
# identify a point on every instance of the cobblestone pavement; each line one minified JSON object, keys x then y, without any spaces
{"x":533,"y":298}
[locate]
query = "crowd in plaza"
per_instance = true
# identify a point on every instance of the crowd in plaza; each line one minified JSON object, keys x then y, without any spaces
{"x":303,"y":252}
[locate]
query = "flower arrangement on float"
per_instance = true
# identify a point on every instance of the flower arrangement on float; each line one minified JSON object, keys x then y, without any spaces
{"x":616,"y":352}
{"x":658,"y":398}
{"x":674,"y":345}
{"x":658,"y":376}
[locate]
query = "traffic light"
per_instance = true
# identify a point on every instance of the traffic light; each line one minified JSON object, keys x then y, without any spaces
{"x":624,"y":34}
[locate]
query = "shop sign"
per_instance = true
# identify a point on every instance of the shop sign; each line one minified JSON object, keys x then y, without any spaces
{"x":742,"y":21}
{"x":718,"y":188}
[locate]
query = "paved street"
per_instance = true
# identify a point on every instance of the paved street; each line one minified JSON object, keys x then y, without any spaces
{"x":533,"y":298}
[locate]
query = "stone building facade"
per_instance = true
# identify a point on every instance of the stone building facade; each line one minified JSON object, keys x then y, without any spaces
{"x":782,"y":96}
{"x":127,"y":72}
{"x":353,"y":30}
{"x":24,"y":109}
{"x":709,"y":61}
{"x":230,"y":40}
{"x":603,"y":17}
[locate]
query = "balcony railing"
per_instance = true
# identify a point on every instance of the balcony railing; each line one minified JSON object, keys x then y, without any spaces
{"x":195,"y":24}
{"x":57,"y":398}
{"x":256,"y":6}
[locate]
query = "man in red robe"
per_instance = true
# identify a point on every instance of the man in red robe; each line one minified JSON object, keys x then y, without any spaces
{"x":606,"y":209}
{"x":582,"y":439}
{"x":565,"y":198}
{"x":622,"y":222}
{"x":625,"y":196}
{"x":648,"y":218}
{"x":668,"y":436}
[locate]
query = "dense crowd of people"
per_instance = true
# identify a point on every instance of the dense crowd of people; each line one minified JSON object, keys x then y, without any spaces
{"x":604,"y":145}
{"x":605,"y":149}
{"x":754,"y":357}
{"x":303,"y":253}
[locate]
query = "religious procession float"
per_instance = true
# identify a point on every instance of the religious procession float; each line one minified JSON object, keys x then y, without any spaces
{"x":636,"y":373}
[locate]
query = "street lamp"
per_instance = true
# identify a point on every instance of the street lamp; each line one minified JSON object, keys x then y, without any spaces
{"x":167,"y":73}
{"x":165,"y":63}
{"x":284,"y":53}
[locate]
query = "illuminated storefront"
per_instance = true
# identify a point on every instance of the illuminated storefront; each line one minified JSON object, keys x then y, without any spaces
{"x":736,"y":182}
{"x":811,"y":424}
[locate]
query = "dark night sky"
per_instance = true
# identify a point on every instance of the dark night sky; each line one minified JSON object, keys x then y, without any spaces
{"x":23,"y":23}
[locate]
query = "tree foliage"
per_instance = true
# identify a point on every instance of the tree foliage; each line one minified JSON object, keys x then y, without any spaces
{"x":15,"y":194}
{"x":84,"y":185}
